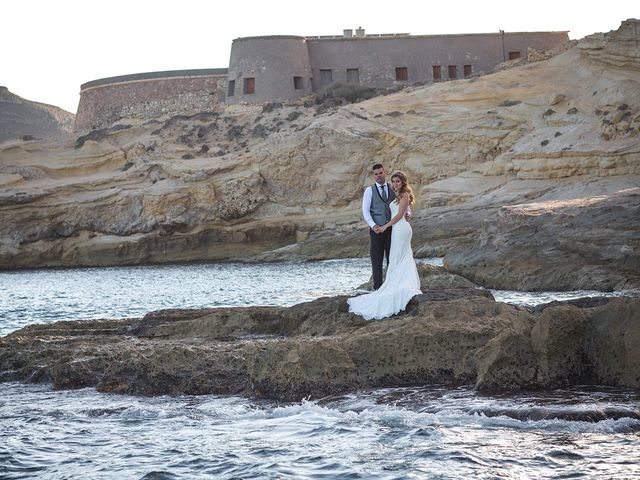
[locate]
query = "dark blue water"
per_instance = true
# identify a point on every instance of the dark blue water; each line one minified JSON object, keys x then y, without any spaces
{"x":393,"y":433}
{"x":428,"y":432}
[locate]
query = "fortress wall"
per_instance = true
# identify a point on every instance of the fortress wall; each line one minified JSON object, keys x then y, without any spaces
{"x":151,"y":95}
{"x":272,"y":62}
{"x":376,"y":58}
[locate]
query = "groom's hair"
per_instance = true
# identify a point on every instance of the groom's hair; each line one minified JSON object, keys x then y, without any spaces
{"x":377,"y":166}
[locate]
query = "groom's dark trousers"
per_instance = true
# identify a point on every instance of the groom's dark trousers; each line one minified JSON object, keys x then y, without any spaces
{"x":380,"y":246}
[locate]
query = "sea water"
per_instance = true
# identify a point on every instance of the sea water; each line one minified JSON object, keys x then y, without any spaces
{"x":421,"y":432}
{"x":44,"y":296}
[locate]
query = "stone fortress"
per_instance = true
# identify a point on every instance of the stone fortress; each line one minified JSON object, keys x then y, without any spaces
{"x":149,"y":95}
{"x":284,"y":68}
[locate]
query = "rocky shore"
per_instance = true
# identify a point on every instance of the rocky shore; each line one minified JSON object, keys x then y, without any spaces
{"x":452,"y":334}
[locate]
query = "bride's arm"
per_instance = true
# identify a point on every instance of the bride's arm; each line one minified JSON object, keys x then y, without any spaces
{"x":402,"y":209}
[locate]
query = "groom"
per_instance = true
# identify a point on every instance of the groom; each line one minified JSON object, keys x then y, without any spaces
{"x":376,"y":212}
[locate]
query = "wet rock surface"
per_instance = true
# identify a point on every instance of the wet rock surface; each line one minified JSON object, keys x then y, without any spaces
{"x":445,"y":336}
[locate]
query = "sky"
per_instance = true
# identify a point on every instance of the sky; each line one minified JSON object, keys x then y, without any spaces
{"x":48,"y":48}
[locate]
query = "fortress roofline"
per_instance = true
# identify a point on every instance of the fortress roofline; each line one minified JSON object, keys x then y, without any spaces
{"x":154,"y":76}
{"x":374,"y":36}
{"x":270,"y":37}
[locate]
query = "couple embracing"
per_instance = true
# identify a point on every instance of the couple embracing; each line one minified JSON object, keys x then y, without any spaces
{"x":385,"y":208}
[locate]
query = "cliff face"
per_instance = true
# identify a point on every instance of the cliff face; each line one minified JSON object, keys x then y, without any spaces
{"x":617,"y":49}
{"x":278,"y":183}
{"x":20,"y":118}
{"x":589,"y":236}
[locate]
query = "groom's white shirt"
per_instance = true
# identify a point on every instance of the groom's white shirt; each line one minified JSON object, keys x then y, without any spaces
{"x":366,"y":205}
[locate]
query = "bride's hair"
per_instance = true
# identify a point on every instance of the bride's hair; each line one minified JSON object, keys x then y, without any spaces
{"x":405,"y":189}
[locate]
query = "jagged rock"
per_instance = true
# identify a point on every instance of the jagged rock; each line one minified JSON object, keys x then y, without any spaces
{"x":566,"y":346}
{"x":239,"y":197}
{"x":507,"y":361}
{"x":618,"y":116}
{"x":617,"y":48}
{"x":553,"y":331}
{"x":588,"y":243}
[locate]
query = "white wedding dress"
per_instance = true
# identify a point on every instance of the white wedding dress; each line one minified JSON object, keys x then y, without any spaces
{"x":402,"y":282}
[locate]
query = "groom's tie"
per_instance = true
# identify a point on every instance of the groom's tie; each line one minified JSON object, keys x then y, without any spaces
{"x":385,"y":197}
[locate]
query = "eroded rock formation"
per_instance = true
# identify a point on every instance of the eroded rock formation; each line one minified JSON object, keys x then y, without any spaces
{"x":617,"y":49}
{"x":285,"y":181}
{"x":582,"y":243}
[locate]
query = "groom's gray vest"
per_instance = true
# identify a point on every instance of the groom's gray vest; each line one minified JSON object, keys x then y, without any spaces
{"x":380,"y":211}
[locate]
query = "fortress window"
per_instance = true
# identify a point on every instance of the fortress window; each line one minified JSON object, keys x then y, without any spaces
{"x":249,"y":86}
{"x":231,"y":88}
{"x":326,"y":75}
{"x":353,"y":75}
{"x":298,"y":84}
{"x":437,"y":72}
{"x":514,"y":55}
{"x":468,"y":70}
{"x":401,"y":74}
{"x":453,"y":72}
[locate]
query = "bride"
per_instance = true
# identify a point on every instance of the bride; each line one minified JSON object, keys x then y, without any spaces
{"x":402,"y":282}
